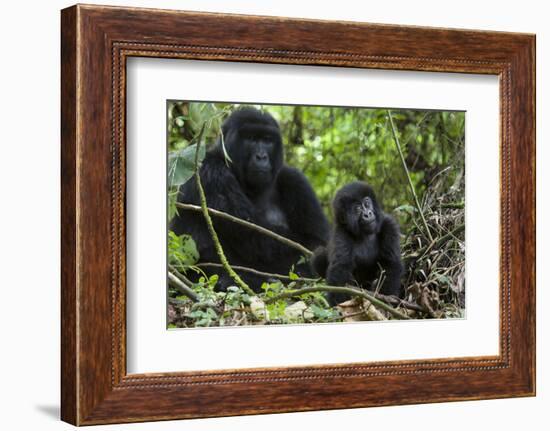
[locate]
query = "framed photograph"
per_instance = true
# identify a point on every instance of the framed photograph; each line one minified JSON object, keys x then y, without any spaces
{"x":265,"y":215}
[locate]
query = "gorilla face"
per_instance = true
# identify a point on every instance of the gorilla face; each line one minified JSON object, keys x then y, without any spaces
{"x":356,"y":209}
{"x":253,"y":141}
{"x":260,"y":149}
{"x":365,"y":215}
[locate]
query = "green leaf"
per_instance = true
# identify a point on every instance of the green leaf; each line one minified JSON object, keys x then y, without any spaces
{"x":179,"y":121}
{"x":181,"y":164}
{"x":213,"y":280}
{"x":182,"y":250}
{"x":293,"y":275}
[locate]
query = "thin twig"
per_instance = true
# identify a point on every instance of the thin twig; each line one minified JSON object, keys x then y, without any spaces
{"x":182,"y":288}
{"x":219,"y":249}
{"x":267,"y":232}
{"x":394,"y":300}
{"x":411,"y":185}
{"x":340,"y":289}
{"x":453,"y":205}
{"x":380,"y":281}
{"x":255,"y":271}
{"x":440,"y":241}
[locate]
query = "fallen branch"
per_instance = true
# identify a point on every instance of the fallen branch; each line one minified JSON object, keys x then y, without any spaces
{"x":411,"y":185}
{"x":178,"y":274}
{"x":219,"y":249}
{"x":392,"y":300}
{"x":182,"y":288}
{"x":340,"y":289}
{"x":249,"y":225}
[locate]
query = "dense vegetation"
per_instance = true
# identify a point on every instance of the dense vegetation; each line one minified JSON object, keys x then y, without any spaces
{"x":417,"y":170}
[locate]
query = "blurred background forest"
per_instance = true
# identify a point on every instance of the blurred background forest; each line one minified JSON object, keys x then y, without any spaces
{"x":416,"y":168}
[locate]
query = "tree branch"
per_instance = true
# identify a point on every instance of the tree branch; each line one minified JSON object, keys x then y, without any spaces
{"x":249,"y":225}
{"x":182,"y":288}
{"x":392,"y":300}
{"x":178,"y":274}
{"x":411,"y":185}
{"x":340,"y":289}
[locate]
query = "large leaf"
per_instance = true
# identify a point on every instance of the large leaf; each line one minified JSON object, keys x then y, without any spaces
{"x":181,"y":164}
{"x":182,"y":250}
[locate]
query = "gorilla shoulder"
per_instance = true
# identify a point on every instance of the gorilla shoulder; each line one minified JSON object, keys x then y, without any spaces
{"x":303,"y":210}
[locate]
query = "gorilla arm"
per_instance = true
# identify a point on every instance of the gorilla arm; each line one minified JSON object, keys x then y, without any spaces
{"x":319,"y":261}
{"x":340,"y":265}
{"x":302,"y":208}
{"x":340,"y":260}
{"x":390,"y":256}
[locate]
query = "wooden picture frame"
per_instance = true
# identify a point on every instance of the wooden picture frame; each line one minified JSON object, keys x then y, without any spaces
{"x":95,"y":43}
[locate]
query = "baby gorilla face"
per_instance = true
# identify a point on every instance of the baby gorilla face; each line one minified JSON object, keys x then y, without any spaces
{"x":366,"y":215}
{"x":356,"y":209}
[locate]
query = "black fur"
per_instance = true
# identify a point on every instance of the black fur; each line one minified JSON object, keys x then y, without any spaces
{"x":256,"y":186}
{"x":363,"y":238}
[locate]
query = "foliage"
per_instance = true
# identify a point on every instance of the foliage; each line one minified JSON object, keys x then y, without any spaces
{"x":182,"y":250}
{"x":334,"y":146}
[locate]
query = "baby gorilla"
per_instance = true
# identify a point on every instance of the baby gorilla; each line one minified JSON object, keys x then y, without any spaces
{"x":363,"y":240}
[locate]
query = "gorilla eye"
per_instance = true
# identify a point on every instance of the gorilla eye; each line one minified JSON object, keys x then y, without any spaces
{"x":267,"y":141}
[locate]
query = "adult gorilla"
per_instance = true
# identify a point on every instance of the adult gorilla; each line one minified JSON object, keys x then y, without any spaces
{"x":257,"y":186}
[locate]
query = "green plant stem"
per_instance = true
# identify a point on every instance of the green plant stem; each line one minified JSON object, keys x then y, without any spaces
{"x":411,"y":185}
{"x":219,"y":249}
{"x":305,"y":251}
{"x":340,"y":289}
